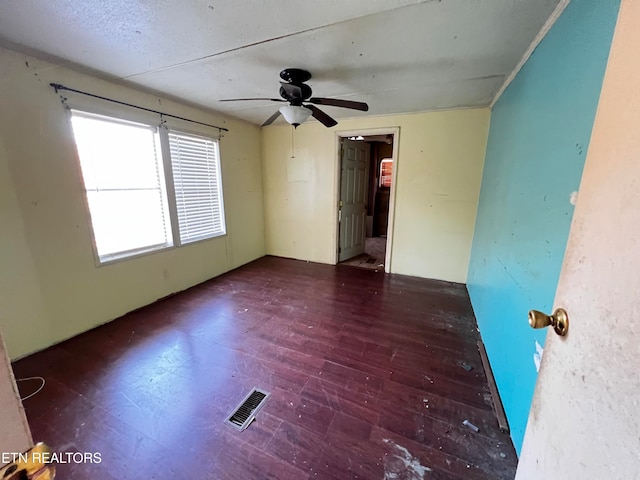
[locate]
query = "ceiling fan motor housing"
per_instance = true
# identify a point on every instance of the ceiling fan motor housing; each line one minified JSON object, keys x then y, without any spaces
{"x":294,"y":91}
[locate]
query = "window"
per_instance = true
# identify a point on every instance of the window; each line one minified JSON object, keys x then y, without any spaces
{"x":134,"y":207}
{"x":386,"y":169}
{"x":122,"y":171}
{"x":194,"y":162}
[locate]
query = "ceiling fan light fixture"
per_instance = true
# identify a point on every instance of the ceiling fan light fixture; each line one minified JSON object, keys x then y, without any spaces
{"x":295,"y":115}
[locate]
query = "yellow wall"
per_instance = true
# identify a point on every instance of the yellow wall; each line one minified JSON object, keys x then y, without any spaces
{"x":21,"y":304}
{"x":439,"y":171}
{"x":50,"y":288}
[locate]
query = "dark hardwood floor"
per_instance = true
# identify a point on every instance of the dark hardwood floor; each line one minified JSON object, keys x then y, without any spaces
{"x":364,"y":369}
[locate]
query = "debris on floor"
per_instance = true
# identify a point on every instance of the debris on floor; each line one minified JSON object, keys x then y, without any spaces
{"x":466,"y":366}
{"x":470,"y":426}
{"x":402,"y":464}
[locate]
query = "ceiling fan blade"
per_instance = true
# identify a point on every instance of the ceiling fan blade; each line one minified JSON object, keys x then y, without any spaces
{"x":338,"y":102}
{"x":243,"y":99}
{"x":271,"y":119}
{"x":322,"y":117}
{"x":293,"y":92}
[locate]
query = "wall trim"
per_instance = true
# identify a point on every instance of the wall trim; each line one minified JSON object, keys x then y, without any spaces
{"x":529,"y":51}
{"x":498,"y":408}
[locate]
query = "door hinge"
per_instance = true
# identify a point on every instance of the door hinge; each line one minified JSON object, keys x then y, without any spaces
{"x":339,"y":249}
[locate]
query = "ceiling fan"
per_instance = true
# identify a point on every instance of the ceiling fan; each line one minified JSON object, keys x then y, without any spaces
{"x":294,"y":91}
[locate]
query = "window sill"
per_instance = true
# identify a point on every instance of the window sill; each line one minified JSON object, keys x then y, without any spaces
{"x":119,"y":257}
{"x":141,"y":252}
{"x":204,"y":239}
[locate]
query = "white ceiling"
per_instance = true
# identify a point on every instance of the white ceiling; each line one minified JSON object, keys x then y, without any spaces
{"x":397,"y":55}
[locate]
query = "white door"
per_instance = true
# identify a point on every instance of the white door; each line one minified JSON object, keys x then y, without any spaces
{"x":15,"y":436}
{"x":585,"y":417}
{"x":354,"y":180}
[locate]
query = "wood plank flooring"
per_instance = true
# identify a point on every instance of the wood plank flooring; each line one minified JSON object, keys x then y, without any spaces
{"x":364,"y":369}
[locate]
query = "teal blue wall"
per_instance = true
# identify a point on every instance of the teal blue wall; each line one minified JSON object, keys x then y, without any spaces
{"x":538,"y":139}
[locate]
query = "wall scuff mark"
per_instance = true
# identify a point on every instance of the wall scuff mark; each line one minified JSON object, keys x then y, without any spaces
{"x":537,"y":356}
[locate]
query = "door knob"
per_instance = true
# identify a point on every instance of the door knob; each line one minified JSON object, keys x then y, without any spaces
{"x":559,"y":320}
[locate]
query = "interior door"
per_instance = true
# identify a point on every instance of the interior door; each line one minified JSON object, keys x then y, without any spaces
{"x":15,"y":435}
{"x":354,"y":178}
{"x":584,"y":421}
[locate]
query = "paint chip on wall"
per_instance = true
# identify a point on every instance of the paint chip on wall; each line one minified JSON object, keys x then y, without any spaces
{"x":573,"y":198}
{"x":537,"y":356}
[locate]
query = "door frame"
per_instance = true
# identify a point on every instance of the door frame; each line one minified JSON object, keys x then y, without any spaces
{"x":365,"y":132}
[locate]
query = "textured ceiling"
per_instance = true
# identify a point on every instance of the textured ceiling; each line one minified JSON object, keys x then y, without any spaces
{"x":397,"y":55}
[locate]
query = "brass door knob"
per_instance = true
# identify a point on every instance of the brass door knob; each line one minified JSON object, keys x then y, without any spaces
{"x":559,"y":320}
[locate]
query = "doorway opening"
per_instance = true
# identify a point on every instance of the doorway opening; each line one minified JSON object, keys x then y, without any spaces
{"x":366,"y":165}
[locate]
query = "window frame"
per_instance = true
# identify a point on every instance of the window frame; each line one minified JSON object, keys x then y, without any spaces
{"x":163,"y":129}
{"x":171,"y":189}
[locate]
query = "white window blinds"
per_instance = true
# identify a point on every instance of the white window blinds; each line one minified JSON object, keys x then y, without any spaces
{"x":195,"y":165}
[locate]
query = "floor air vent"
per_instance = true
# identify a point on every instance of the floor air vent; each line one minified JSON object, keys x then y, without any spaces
{"x":246,"y":412}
